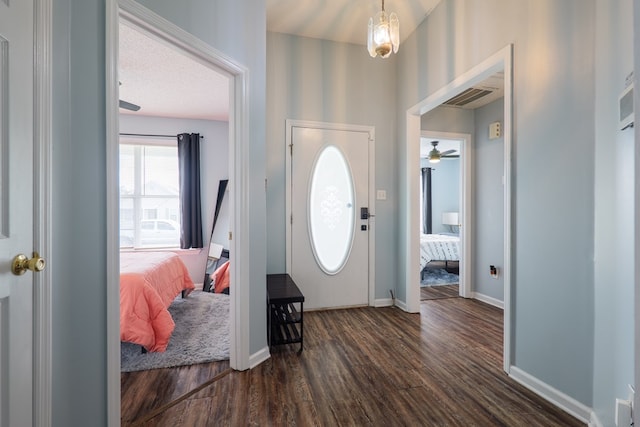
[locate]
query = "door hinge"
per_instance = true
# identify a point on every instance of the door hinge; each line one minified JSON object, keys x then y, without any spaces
{"x":291,"y":219}
{"x":291,"y":149}
{"x":230,"y":236}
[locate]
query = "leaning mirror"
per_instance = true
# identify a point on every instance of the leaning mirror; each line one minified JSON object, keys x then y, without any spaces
{"x":216,"y":277}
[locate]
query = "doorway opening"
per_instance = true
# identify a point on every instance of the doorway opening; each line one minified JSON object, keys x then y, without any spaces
{"x":450,"y":178}
{"x":500,"y":63}
{"x":153,"y":26}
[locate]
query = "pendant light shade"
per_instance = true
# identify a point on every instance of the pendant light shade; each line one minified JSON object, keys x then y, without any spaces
{"x":384,"y":34}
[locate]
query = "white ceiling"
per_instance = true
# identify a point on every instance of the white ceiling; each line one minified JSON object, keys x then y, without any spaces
{"x":166,"y":83}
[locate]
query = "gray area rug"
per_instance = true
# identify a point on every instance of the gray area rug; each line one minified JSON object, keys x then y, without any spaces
{"x":438,"y":276}
{"x":201,"y":335}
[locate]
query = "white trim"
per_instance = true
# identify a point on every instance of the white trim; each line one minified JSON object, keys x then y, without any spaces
{"x":500,"y":61}
{"x":595,"y":421}
{"x":558,"y":398}
{"x":161,"y":29}
{"x":467,"y":159}
{"x":383,"y":302}
{"x":402,"y":306}
{"x":258,"y":357}
{"x":488,"y":300}
{"x":112,"y":215}
{"x":289,"y":125}
{"x":42,"y":216}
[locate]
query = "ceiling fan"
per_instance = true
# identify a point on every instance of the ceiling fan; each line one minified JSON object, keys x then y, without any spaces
{"x":435,"y":155}
{"x":127,"y":105}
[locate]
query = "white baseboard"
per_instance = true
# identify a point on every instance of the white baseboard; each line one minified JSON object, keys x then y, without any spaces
{"x":258,"y":357}
{"x":558,"y":398}
{"x":595,"y":421}
{"x":383,"y":302}
{"x":401,"y":305}
{"x":487,"y":299}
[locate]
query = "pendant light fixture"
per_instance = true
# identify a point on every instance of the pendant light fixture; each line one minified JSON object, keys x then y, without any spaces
{"x":384,"y":34}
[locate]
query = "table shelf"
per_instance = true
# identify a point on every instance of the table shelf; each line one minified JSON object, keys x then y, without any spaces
{"x":284,"y":311}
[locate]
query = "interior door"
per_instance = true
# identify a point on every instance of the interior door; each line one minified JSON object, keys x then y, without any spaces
{"x":329,"y":255}
{"x":16,"y":210}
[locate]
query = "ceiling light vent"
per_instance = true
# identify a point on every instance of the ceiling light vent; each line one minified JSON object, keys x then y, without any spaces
{"x":467,"y":97}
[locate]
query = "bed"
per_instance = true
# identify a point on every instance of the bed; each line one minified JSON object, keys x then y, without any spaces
{"x":149,"y":282}
{"x":438,"y":247}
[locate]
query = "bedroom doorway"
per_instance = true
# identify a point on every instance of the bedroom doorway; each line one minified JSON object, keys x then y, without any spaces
{"x":501,"y":63}
{"x":236,"y":133}
{"x":451,"y":177}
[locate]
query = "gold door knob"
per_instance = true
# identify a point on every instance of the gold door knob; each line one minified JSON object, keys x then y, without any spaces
{"x":21,"y":264}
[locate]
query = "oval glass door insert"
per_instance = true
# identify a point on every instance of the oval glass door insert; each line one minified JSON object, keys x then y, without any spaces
{"x":331,"y":215}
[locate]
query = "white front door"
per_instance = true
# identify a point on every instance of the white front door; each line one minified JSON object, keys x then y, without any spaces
{"x":16,"y":210}
{"x":329,"y":246}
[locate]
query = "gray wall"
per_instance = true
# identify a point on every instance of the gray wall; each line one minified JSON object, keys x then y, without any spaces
{"x":555,"y":311}
{"x":553,"y":42}
{"x":445,"y":191}
{"x":614,"y":213}
{"x":310,"y":79}
{"x":488,"y":201}
{"x":214,"y":166}
{"x":79,"y":185}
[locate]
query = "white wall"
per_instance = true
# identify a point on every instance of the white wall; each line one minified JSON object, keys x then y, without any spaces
{"x":554,"y":61}
{"x":78,"y":263}
{"x":214,"y":166}
{"x":614,"y":212}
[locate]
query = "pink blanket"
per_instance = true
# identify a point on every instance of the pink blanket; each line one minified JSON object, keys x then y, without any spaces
{"x":149,"y":282}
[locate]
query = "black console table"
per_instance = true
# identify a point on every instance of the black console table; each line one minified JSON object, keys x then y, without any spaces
{"x":284,"y":311}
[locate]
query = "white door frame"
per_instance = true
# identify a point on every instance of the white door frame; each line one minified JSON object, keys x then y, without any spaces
{"x":289,"y":125}
{"x":466,"y":206}
{"x":501,"y":61}
{"x":42,"y":332}
{"x":161,"y":29}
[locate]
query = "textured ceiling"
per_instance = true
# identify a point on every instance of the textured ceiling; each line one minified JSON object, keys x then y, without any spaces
{"x":166,"y":83}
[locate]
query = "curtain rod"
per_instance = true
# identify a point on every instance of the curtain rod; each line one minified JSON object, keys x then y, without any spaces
{"x":151,"y":136}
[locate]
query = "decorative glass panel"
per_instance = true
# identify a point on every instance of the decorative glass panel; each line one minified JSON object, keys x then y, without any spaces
{"x":331,"y":215}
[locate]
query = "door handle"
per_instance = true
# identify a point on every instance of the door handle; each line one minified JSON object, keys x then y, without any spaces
{"x":21,"y":264}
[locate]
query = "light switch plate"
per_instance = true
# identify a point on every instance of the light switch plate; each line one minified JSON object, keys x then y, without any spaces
{"x":381,"y":195}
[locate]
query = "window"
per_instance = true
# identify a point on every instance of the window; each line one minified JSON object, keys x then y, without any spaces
{"x":149,"y":194}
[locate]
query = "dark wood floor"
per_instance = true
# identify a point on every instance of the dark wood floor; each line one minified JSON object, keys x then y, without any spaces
{"x":366,"y":366}
{"x":438,"y":292}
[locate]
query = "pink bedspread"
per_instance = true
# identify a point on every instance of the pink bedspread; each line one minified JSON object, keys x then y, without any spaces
{"x":149,"y":282}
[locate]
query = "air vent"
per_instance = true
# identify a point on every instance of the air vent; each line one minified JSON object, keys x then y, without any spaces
{"x":467,"y":97}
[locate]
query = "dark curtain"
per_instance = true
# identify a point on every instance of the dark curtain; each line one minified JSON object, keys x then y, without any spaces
{"x":426,"y":201}
{"x":190,"y":211}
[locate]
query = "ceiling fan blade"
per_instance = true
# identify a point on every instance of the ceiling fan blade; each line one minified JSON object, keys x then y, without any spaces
{"x":446,"y":153}
{"x":129,"y":106}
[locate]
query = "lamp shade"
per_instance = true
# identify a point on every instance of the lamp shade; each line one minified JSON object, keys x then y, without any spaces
{"x":450,"y":218}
